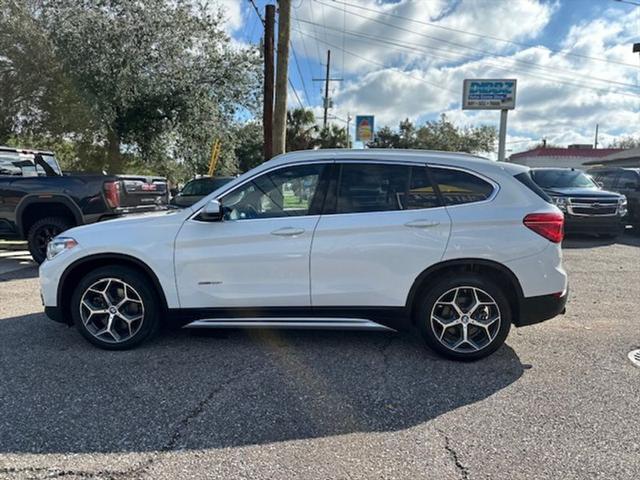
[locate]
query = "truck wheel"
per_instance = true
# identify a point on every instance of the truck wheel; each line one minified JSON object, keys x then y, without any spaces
{"x":41,"y":232}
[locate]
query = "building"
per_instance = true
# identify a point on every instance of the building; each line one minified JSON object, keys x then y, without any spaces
{"x":574,"y":156}
{"x":625,"y":158}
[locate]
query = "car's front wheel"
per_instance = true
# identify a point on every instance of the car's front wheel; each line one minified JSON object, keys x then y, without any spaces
{"x":115,"y":307}
{"x":464,"y":317}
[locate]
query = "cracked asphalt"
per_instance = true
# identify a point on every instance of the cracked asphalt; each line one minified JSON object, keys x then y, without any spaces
{"x":559,"y":400}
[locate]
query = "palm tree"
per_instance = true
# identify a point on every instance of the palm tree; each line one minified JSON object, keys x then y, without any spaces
{"x":301,"y":129}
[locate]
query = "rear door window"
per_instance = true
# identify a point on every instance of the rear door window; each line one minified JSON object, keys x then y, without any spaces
{"x":373,"y":187}
{"x":458,"y":187}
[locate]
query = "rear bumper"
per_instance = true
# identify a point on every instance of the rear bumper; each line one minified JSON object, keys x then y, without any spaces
{"x":538,"y":309}
{"x":593,"y":224}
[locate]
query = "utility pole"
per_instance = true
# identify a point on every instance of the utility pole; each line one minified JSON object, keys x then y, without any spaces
{"x":326,"y":90}
{"x":348,"y":134}
{"x":327,"y":79}
{"x":280,"y":110}
{"x":267,"y":112}
{"x":595,"y":143}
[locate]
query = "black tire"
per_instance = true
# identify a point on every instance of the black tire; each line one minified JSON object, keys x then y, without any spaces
{"x":141,"y":287}
{"x":41,"y":232}
{"x":495,"y":334}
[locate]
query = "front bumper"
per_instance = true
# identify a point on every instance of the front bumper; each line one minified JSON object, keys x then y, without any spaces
{"x":593,"y":224}
{"x":538,"y":309}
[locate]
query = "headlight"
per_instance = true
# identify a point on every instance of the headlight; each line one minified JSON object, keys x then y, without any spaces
{"x":560,"y":202}
{"x":59,"y":245}
{"x":622,"y":206}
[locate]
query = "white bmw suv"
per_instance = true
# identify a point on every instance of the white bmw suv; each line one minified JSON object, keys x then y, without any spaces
{"x":454,"y":246}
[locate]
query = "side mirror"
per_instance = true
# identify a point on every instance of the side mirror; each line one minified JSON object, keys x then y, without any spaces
{"x":212,"y":212}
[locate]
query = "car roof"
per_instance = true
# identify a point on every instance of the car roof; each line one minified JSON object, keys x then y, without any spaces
{"x":435,"y":157}
{"x":4,"y":148}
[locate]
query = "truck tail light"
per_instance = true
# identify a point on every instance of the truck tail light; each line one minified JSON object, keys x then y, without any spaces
{"x":112,"y":193}
{"x":548,"y":225}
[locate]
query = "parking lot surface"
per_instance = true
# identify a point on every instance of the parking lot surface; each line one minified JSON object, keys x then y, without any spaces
{"x":559,"y":400}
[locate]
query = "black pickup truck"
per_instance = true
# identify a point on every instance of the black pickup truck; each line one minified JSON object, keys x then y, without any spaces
{"x":37,"y":201}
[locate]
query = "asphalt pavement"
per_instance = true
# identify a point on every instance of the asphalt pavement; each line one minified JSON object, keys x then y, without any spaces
{"x":559,"y":401}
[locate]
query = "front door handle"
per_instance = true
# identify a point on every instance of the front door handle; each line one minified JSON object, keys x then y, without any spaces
{"x":288,"y":232}
{"x":422,"y":224}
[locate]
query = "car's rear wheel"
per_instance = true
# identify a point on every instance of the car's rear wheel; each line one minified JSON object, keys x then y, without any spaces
{"x":115,"y":308}
{"x":464,"y":317}
{"x":42,"y":232}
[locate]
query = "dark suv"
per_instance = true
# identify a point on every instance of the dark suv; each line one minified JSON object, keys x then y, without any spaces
{"x":625,"y":181}
{"x":586,"y":206}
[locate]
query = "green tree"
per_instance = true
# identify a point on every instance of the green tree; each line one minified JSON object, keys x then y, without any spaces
{"x":301,"y":130}
{"x":156,"y":80}
{"x":437,"y":135}
{"x":249,"y":145}
{"x":332,"y":136}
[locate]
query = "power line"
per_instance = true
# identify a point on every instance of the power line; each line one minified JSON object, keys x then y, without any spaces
{"x":304,"y":85}
{"x":479,"y":35}
{"x":412,"y":48}
{"x":368,"y":60}
{"x":479,"y":50}
{"x":628,"y":2}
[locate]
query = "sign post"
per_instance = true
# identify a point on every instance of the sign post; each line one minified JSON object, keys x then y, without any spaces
{"x":491,"y":94}
{"x":364,"y":128}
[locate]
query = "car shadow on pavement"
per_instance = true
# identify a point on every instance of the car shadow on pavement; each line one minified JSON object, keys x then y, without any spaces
{"x":196,"y":391}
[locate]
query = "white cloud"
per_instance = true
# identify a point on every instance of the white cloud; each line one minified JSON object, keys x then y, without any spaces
{"x":560,"y":97}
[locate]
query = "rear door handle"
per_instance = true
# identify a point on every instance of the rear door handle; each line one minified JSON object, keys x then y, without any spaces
{"x":422,"y":224}
{"x":288,"y":232}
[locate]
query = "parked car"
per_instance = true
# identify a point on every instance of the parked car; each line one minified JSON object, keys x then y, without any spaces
{"x":197,"y":189}
{"x":625,"y":181}
{"x":37,"y":201}
{"x":454,"y":245}
{"x":588,"y":209}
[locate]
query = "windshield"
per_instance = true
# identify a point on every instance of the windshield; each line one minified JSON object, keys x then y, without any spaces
{"x":203,"y":187}
{"x":563,"y":179}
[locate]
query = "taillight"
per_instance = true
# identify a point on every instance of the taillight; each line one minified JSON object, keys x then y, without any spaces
{"x":112,"y":193}
{"x":548,"y":225}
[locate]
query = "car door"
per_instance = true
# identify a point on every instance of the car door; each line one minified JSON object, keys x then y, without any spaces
{"x":382,"y":226}
{"x":258,"y":255}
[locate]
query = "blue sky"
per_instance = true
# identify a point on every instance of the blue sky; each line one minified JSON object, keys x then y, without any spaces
{"x":407,"y":59}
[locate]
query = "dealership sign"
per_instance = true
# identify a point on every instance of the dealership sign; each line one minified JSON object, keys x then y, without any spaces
{"x":489,"y":94}
{"x":364,"y":128}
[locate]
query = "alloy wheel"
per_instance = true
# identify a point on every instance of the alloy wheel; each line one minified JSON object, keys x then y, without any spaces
{"x":112,"y":310}
{"x":465,"y":319}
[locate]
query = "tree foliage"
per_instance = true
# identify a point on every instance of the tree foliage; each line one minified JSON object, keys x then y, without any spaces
{"x":626,"y":142}
{"x":437,"y":135}
{"x":156,"y":80}
{"x":303,"y":133}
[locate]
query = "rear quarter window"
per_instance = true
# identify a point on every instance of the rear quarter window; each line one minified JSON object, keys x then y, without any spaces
{"x":526,"y":179}
{"x":458,"y":187}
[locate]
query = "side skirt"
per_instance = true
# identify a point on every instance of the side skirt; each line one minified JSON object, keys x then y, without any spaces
{"x":341,"y":318}
{"x":290,"y":323}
